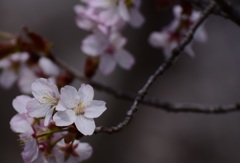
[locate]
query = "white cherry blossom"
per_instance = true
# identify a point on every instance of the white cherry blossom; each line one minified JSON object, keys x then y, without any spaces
{"x":46,"y":97}
{"x":10,"y":67}
{"x":115,"y":11}
{"x":80,"y":108}
{"x":110,"y":49}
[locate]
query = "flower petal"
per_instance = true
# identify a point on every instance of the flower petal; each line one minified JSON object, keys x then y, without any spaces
{"x":48,"y":67}
{"x":94,"y":44}
{"x":110,"y":16}
{"x":107,"y":64}
{"x":189,"y":50}
{"x":117,"y":40}
{"x":26,"y":78}
{"x":201,"y":34}
{"x":123,"y":11}
{"x":69,"y":97}
{"x":124,"y":59}
{"x":37,"y":110}
{"x":7,"y":78}
{"x":159,"y":39}
{"x":84,"y":150}
{"x":20,"y":103}
{"x":64,"y":118}
{"x":20,"y":123}
{"x":45,"y":91}
{"x":31,"y":150}
{"x":48,"y":117}
{"x":86,"y":94}
{"x":60,"y":106}
{"x":95,"y":109}
{"x":136,"y":18}
{"x":85,"y":125}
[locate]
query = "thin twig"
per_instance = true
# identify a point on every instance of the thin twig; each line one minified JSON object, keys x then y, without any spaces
{"x":160,"y":71}
{"x":194,"y":108}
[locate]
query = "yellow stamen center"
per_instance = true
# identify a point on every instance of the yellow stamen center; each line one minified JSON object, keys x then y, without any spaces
{"x":79,"y":109}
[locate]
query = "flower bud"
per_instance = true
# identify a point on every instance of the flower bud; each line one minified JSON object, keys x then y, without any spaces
{"x":91,"y":66}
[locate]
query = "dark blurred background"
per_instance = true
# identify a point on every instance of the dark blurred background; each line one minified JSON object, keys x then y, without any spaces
{"x":154,"y":136}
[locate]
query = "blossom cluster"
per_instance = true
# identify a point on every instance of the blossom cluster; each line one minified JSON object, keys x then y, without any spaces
{"x":24,"y":69}
{"x":51,"y":123}
{"x":171,"y":36}
{"x":105,"y":19}
{"x":26,"y":57}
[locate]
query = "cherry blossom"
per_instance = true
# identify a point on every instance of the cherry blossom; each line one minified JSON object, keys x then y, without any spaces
{"x":171,"y":36}
{"x":110,"y":49}
{"x":10,"y":67}
{"x":46,"y":97}
{"x":88,"y":19}
{"x":115,"y":11}
{"x":80,"y":108}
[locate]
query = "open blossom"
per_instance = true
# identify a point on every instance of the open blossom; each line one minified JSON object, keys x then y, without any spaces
{"x":15,"y":68}
{"x":88,"y":19}
{"x":10,"y":67}
{"x":115,"y":11}
{"x":106,"y":19}
{"x":109,"y":49}
{"x":46,"y":97}
{"x":77,"y":152}
{"x":171,"y":36}
{"x":80,"y":109}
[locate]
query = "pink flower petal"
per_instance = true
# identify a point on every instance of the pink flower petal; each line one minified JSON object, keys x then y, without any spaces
{"x":45,"y":91}
{"x":85,"y":125}
{"x":107,"y":64}
{"x":124,"y":59}
{"x":20,"y":123}
{"x":30,"y":152}
{"x":60,"y":106}
{"x":136,"y":18}
{"x":7,"y":78}
{"x":94,"y":44}
{"x":84,"y":150}
{"x":48,"y":67}
{"x":95,"y":109}
{"x":159,"y":39}
{"x":69,"y":97}
{"x":123,"y":11}
{"x":37,"y":110}
{"x":86,"y":94}
{"x":64,"y":118}
{"x":26,"y":78}
{"x":48,"y":117}
{"x":20,"y":103}
{"x":117,"y":40}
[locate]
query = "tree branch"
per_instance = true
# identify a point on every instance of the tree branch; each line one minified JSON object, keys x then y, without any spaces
{"x":192,"y":108}
{"x":160,"y":71}
{"x":230,"y":10}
